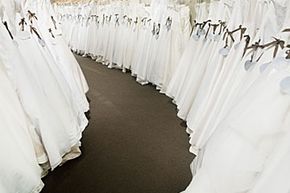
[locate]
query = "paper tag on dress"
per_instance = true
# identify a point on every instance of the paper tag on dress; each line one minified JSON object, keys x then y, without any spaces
{"x":249,"y":64}
{"x":53,"y":42}
{"x":15,"y":43}
{"x":58,"y":32}
{"x":224,"y":51}
{"x":210,"y":36}
{"x":285,"y":85}
{"x":42,"y":42}
{"x":217,"y":37}
{"x":236,"y":46}
{"x":281,"y":63}
{"x":264,"y":66}
{"x":202,"y":32}
{"x":195,"y":37}
{"x":23,"y":35}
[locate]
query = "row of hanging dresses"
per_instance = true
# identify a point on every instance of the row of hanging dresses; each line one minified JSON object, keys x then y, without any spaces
{"x":239,"y":129}
{"x":202,"y":111}
{"x":148,"y":40}
{"x":45,"y":90}
{"x":201,"y":64}
{"x":230,"y":83}
{"x":19,"y":168}
{"x":188,"y":53}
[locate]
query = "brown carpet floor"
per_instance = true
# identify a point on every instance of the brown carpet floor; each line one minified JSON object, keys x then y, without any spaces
{"x":133,"y":144}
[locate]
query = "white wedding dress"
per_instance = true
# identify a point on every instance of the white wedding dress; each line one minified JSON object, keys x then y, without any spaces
{"x":178,"y":76}
{"x":38,"y":84}
{"x":19,"y":169}
{"x":234,"y":157}
{"x":248,"y":146}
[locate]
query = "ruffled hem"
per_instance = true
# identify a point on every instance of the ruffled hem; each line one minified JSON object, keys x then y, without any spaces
{"x":38,"y":188}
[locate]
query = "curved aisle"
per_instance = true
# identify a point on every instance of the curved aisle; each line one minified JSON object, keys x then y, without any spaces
{"x":133,"y":144}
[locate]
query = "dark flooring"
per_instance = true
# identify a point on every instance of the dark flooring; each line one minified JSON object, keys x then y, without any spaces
{"x":133,"y":144}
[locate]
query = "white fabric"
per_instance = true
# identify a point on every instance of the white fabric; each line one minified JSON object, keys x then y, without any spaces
{"x":233,"y":96}
{"x":42,"y":96}
{"x":132,"y":36}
